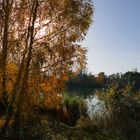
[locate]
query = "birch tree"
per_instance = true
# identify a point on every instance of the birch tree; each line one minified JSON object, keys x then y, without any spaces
{"x":39,"y":47}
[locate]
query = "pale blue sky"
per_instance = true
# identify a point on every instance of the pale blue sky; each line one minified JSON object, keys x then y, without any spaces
{"x":113,"y":40}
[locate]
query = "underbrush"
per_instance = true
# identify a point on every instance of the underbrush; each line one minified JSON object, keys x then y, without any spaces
{"x":118,"y":118}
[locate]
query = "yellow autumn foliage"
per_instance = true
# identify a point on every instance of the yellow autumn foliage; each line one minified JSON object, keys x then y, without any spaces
{"x":41,"y":92}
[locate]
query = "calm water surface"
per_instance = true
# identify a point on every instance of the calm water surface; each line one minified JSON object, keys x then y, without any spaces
{"x":92,"y":101}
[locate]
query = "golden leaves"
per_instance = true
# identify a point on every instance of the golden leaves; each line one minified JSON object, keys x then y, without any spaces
{"x":46,"y":39}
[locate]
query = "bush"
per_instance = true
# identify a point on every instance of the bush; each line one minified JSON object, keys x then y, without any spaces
{"x":75,"y":108}
{"x":122,"y":109}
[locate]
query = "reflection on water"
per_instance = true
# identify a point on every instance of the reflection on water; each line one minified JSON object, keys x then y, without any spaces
{"x":82,"y":92}
{"x":94,"y":105}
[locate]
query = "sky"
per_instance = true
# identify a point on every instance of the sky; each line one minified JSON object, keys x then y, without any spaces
{"x":113,"y":40}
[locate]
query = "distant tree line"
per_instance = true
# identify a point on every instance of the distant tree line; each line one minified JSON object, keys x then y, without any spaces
{"x":101,"y":80}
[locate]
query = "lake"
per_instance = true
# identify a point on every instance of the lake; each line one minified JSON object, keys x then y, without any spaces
{"x":94,"y":105}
